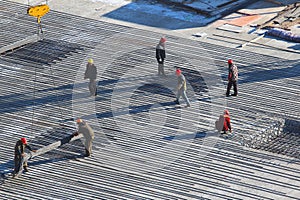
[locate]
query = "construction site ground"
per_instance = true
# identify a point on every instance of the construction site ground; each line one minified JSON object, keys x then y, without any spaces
{"x":145,"y":146}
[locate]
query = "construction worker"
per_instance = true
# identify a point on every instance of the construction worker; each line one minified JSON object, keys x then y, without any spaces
{"x":88,"y":133}
{"x":91,"y":73}
{"x":161,"y":55}
{"x":181,"y":88}
{"x":20,"y":155}
{"x":226,"y":123}
{"x":232,"y":78}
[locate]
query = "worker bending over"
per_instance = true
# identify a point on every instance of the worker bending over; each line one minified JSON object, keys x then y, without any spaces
{"x":85,"y":129}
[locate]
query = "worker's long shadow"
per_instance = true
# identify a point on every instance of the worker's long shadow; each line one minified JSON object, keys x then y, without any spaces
{"x":10,"y":163}
{"x":6,"y":168}
{"x":271,"y":69}
{"x":186,"y":136}
{"x":54,"y":95}
{"x":131,"y":110}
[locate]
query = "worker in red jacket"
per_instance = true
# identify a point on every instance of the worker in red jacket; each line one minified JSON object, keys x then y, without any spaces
{"x":232,"y":78}
{"x":227,"y":124}
{"x":20,"y":154}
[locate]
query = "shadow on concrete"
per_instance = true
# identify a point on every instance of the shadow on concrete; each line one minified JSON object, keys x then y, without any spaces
{"x":186,"y":136}
{"x":158,"y":15}
{"x":43,"y":52}
{"x":36,"y":163}
{"x":18,"y":101}
{"x":291,"y":70}
{"x":295,"y":47}
{"x":182,"y":15}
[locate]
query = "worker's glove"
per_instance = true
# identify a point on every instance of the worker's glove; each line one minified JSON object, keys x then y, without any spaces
{"x":75,"y":134}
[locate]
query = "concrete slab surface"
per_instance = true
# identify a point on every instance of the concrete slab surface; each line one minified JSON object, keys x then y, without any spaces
{"x":145,"y":146}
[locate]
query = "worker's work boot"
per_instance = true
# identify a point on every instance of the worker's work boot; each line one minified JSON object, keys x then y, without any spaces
{"x":87,"y":153}
{"x":26,"y":169}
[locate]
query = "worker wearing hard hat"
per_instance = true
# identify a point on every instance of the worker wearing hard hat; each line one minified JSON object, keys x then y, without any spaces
{"x":20,"y":154}
{"x":91,"y":73}
{"x":181,"y":88}
{"x":161,"y":55}
{"x":223,"y":125}
{"x":85,"y":129}
{"x":232,"y":78}
{"x":226,"y":123}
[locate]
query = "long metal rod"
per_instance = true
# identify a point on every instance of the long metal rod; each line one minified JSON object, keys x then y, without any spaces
{"x":52,"y":146}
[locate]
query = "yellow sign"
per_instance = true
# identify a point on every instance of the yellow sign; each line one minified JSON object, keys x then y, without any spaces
{"x":38,"y":11}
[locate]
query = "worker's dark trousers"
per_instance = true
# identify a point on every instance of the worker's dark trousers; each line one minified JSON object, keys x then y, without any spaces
{"x":229,"y":85}
{"x":19,"y":163}
{"x":93,"y":87}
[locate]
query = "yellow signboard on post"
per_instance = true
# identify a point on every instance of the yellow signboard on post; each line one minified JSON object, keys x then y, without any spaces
{"x":38,"y":11}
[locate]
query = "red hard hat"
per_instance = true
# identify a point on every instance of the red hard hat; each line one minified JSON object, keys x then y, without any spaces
{"x":226,"y":112}
{"x":178,"y":71}
{"x":163,"y":40}
{"x":23,"y":140}
{"x":78,"y":120}
{"x":229,"y":61}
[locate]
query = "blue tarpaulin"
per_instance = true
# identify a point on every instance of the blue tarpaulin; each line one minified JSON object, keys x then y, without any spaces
{"x":287,"y":35}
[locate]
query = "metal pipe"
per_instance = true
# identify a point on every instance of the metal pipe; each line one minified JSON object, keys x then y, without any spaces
{"x":52,"y":146}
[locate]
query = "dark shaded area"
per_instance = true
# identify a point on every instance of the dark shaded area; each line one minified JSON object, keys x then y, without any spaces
{"x":140,"y":16}
{"x":14,"y":106}
{"x":43,"y":52}
{"x":155,"y":88}
{"x":66,"y":140}
{"x":65,"y":150}
{"x":295,"y":47}
{"x":270,"y":74}
{"x":147,"y":107}
{"x":36,"y":56}
{"x":68,"y":157}
{"x":186,"y":136}
{"x":195,"y":79}
{"x":211,"y":9}
{"x":292,"y":126}
{"x":18,"y":101}
{"x":137,"y":14}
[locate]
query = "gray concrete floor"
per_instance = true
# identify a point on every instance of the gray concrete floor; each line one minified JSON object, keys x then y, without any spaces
{"x":176,"y":25}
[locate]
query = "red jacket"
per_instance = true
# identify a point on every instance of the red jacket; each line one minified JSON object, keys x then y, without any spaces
{"x":233,"y":73}
{"x":227,"y":125}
